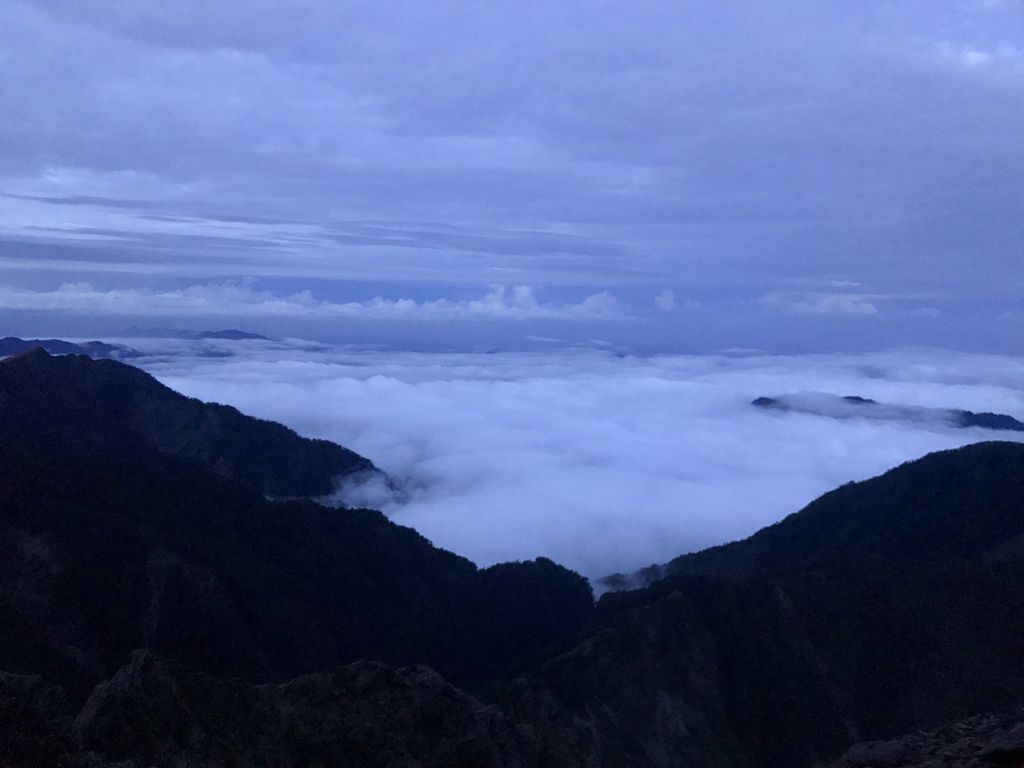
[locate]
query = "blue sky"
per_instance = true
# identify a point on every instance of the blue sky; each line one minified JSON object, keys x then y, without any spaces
{"x":682,"y":176}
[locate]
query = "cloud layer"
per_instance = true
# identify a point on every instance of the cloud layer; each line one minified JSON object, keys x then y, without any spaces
{"x":600,"y":462}
{"x":242,"y":300}
{"x":703,"y":148}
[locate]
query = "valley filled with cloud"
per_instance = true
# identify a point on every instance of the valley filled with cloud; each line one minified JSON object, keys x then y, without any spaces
{"x":599,"y":461}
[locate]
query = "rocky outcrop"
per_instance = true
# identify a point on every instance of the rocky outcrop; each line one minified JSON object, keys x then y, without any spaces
{"x":983,"y":741}
{"x":156,"y":713}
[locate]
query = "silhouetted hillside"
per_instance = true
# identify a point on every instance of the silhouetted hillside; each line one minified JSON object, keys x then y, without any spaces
{"x":883,"y":607}
{"x":959,"y":504}
{"x":108,"y":544}
{"x":85,"y":405}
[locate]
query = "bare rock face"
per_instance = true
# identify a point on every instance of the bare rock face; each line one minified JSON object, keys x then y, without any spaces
{"x":978,"y":742}
{"x":157,"y":713}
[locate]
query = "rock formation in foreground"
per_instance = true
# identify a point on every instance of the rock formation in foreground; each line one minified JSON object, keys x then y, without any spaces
{"x":153,"y":712}
{"x":984,"y":741}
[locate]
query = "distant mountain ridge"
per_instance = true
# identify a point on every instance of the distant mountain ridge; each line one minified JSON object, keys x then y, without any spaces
{"x":11,"y":345}
{"x":853,"y":406}
{"x":229,"y":334}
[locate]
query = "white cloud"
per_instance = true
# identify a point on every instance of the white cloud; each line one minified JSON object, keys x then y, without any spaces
{"x":996,"y":60}
{"x":599,"y":462}
{"x":822,"y":303}
{"x":243,"y":299}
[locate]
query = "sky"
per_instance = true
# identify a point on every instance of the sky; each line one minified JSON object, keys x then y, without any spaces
{"x":654,"y":176}
{"x":601,"y":462}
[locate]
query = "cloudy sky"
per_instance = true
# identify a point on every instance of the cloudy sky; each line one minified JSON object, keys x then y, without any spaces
{"x":686,"y":176}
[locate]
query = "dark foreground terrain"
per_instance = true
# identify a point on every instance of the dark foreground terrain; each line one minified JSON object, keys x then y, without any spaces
{"x":156,"y":609}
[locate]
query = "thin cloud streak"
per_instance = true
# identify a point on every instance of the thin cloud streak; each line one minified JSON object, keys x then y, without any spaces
{"x":243,"y":300}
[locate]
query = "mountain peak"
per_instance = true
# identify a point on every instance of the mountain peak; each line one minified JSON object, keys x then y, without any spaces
{"x":91,"y":405}
{"x":25,"y":356}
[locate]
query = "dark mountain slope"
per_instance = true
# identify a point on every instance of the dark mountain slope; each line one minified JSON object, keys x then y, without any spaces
{"x":883,"y":607}
{"x":964,"y":503}
{"x":920,"y":509}
{"x":86,"y":405}
{"x":109,"y":541}
{"x":101,"y":555}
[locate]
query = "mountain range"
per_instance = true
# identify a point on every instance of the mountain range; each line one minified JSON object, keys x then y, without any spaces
{"x":229,"y":334}
{"x":12,"y":345}
{"x":856,"y":407}
{"x":168,"y":597}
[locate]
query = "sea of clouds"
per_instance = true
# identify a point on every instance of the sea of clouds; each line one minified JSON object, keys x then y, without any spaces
{"x":601,"y":462}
